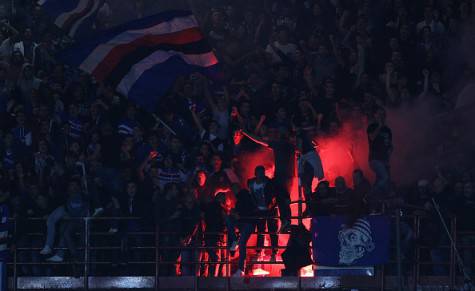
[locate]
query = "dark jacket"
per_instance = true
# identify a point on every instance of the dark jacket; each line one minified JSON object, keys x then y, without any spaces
{"x":245,"y":206}
{"x":187,"y":222}
{"x":214,"y":217}
{"x":137,"y":209}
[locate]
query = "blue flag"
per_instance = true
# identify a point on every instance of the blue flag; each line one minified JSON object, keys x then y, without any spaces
{"x":365,"y":243}
{"x":75,"y":17}
{"x":143,"y":58}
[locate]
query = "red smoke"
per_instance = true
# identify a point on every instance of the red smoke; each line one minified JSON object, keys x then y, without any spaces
{"x":344,"y":152}
{"x":340,"y":154}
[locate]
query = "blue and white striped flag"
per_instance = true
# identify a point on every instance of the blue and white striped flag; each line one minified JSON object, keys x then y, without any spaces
{"x":141,"y":59}
{"x":75,"y":17}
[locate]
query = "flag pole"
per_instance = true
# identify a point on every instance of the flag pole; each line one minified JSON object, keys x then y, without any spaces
{"x":467,"y":279}
{"x":163,"y":123}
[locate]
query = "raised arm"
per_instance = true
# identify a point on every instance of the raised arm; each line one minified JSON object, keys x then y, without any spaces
{"x":361,"y":51}
{"x":259,"y":124}
{"x":335,"y":51}
{"x":426,"y":74}
{"x":141,"y":168}
{"x":255,"y":139}
{"x":227,"y":98}
{"x":208,"y":96}
{"x":389,"y":71}
{"x":196,"y":119}
{"x":11,"y":28}
{"x":307,"y":76}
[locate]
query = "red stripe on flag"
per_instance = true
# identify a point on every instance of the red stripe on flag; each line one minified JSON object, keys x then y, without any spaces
{"x":113,"y":58}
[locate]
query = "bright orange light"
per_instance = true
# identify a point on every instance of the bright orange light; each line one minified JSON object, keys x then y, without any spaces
{"x":259,"y":272}
{"x":306,"y":271}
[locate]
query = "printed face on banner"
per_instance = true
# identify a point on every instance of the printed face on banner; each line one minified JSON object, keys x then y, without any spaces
{"x":355,"y":242}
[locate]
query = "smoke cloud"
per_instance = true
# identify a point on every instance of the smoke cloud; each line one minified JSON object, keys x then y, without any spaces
{"x":425,"y":139}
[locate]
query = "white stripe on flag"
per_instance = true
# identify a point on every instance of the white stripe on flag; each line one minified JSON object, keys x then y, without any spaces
{"x":41,"y":2}
{"x":76,"y":25}
{"x":202,"y":60}
{"x":101,"y":51}
{"x":61,"y":20}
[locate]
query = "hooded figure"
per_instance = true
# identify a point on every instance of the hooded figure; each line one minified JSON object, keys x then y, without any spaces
{"x":297,"y":252}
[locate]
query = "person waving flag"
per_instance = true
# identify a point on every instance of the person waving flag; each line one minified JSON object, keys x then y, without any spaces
{"x":75,"y":17}
{"x":141,"y":59}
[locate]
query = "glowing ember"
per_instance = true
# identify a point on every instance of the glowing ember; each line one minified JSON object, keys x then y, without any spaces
{"x":260,"y":272}
{"x":307,"y":271}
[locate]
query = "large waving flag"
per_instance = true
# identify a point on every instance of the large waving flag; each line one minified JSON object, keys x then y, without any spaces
{"x":142,"y":59}
{"x":75,"y":17}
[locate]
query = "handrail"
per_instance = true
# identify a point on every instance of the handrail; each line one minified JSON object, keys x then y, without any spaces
{"x":109,"y":218}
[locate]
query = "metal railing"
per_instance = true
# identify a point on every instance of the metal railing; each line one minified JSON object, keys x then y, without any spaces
{"x":225,"y":262}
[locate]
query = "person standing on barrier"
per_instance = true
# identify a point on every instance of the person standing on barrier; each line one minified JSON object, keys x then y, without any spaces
{"x":309,"y":166}
{"x":284,"y":160}
{"x":214,"y":219}
{"x":166,"y":210}
{"x":131,"y":205}
{"x":262,"y":193}
{"x":380,"y":149}
{"x":244,"y":213}
{"x":188,"y":222}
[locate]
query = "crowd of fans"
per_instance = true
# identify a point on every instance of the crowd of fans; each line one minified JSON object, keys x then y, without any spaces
{"x":294,"y":71}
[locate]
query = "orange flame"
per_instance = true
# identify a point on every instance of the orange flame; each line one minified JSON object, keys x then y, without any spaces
{"x":259,"y":272}
{"x":307,"y":271}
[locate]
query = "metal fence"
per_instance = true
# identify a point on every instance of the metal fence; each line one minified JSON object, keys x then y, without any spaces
{"x":406,"y":273}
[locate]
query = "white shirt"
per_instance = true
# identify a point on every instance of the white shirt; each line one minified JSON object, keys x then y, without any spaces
{"x":258,"y":191}
{"x":288,"y":49}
